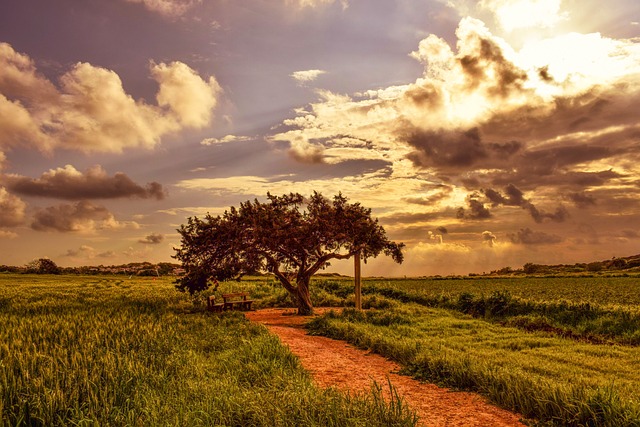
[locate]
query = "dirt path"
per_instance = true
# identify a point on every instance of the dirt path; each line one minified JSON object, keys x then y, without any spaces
{"x":336,"y":363}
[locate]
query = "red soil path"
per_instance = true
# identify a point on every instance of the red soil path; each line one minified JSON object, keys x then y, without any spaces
{"x":335,"y":363}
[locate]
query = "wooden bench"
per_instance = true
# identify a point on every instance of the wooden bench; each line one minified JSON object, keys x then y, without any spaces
{"x":237,"y":300}
{"x":211,"y":304}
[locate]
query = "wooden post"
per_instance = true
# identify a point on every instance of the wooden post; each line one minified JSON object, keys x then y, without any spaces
{"x":356,"y":277}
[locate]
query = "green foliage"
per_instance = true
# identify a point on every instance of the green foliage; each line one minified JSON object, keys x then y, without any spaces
{"x":554,"y":380}
{"x":598,"y":310}
{"x":95,"y":350}
{"x":287,"y":236}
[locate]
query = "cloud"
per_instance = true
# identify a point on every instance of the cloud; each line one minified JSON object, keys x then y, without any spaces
{"x":371,"y":188}
{"x":152,"y":239}
{"x":314,"y":4}
{"x":442,"y":230}
{"x":517,"y":14}
{"x":476,"y":209}
{"x":526,"y":236}
{"x":631,"y":234}
{"x":515,"y":197}
{"x":168,"y":8}
{"x":582,"y":200}
{"x":12,"y":209}
{"x":436,"y":237}
{"x":307,"y":76}
{"x":488,"y":113}
{"x":224,"y":140}
{"x":137,"y":253}
{"x":7,"y":234}
{"x":89,"y":110}
{"x":81,"y":217}
{"x":488,"y":238}
{"x":189,"y":96}
{"x":86,"y":252}
{"x":94,"y":183}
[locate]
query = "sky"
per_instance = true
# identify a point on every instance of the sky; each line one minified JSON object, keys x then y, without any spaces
{"x":482,"y":134}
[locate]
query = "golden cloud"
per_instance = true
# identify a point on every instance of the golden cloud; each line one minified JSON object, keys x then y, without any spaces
{"x":12,"y":209}
{"x":90,"y":111}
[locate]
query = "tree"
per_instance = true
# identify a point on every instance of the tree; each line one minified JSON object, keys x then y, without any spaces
{"x":43,"y":266}
{"x":288,"y":236}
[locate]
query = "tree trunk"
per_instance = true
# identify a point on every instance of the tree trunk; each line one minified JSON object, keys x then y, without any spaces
{"x":302,"y":296}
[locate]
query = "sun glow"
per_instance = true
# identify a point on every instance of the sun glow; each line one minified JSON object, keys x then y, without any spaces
{"x":518,"y":14}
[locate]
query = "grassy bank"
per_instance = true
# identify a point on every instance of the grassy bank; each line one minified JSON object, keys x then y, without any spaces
{"x":97,"y":350}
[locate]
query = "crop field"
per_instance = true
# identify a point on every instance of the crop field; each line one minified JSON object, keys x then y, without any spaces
{"x":602,"y":291}
{"x":89,"y":350}
{"x":560,"y":350}
{"x":96,"y":350}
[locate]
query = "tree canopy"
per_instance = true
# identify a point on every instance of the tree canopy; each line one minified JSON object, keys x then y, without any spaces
{"x":42,"y":266}
{"x":288,"y":236}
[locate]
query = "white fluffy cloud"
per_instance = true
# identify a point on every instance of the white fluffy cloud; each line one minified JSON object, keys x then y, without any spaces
{"x":12,"y":209}
{"x":517,"y":14}
{"x":182,"y":90}
{"x":306,"y":76}
{"x":89,"y":109}
{"x":224,"y":140}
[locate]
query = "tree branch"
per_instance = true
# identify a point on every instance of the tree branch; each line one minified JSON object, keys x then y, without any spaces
{"x":286,"y":283}
{"x":326,"y":257}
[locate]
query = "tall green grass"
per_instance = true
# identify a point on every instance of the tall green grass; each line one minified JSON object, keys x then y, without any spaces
{"x":555,"y":380}
{"x":527,"y":303}
{"x":111,"y":351}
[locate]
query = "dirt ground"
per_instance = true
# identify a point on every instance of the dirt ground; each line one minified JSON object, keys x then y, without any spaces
{"x":336,"y":363}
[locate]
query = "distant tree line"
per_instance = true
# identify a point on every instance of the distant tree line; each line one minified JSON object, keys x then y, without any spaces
{"x":631,"y":263}
{"x":48,"y":266}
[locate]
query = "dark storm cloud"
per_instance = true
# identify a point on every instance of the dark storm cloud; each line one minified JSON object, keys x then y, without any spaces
{"x":559,"y":215}
{"x":547,"y":161}
{"x":152,"y":239}
{"x":587,"y":113}
{"x":514,"y":197}
{"x":94,"y":183}
{"x":500,"y":145}
{"x":475,"y":210}
{"x":312,"y":156}
{"x":442,"y":230}
{"x":458,"y":150}
{"x":582,"y":200}
{"x":488,"y":64}
{"x":81,"y":216}
{"x":488,"y":238}
{"x":526,"y":236}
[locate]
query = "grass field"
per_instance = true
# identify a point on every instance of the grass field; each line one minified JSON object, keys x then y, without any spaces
{"x":596,"y":309}
{"x":579,"y":366}
{"x":98,"y":350}
{"x":91,"y":350}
